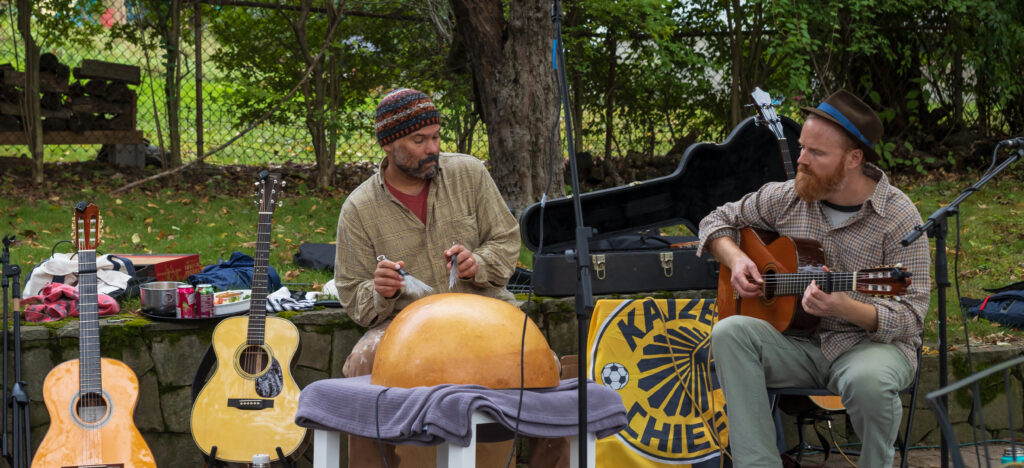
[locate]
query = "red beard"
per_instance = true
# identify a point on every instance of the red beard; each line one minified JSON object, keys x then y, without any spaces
{"x":813,"y":187}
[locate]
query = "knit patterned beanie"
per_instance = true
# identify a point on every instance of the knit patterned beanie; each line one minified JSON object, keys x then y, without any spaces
{"x":402,"y":112}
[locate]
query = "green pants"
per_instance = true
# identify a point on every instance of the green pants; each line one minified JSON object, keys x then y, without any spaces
{"x":750,"y":355}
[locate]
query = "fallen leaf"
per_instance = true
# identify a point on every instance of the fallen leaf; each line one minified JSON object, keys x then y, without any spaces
{"x":136,"y":239}
{"x":292,"y":274}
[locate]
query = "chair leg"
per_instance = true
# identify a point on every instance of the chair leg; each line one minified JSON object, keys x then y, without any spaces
{"x":905,"y":446}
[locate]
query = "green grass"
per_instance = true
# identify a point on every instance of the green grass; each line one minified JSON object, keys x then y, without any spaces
{"x":171,"y":221}
{"x":206,"y":218}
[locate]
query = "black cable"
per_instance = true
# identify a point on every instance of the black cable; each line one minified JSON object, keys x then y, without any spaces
{"x":376,"y":421}
{"x":53,"y":250}
{"x":555,"y":136}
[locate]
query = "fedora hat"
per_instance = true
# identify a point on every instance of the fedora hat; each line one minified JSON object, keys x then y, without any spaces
{"x":854,"y":117}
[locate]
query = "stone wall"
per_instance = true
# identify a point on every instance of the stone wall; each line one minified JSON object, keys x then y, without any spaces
{"x":165,"y":357}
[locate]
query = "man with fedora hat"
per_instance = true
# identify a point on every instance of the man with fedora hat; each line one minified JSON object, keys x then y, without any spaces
{"x":864,"y":348}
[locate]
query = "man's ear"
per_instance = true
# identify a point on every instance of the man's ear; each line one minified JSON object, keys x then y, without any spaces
{"x":856,"y":158}
{"x":388,"y":148}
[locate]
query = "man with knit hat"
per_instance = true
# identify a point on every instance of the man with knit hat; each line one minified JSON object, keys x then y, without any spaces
{"x":418,"y":210}
{"x":864,"y":348}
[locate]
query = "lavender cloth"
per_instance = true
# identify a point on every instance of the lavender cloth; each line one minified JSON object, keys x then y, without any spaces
{"x":433,"y":415}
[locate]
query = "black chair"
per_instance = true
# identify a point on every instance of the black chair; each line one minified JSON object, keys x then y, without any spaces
{"x":811,"y":415}
{"x":974,"y":382}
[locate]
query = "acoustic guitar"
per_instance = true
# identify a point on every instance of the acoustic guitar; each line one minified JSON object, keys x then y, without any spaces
{"x":788,"y":265}
{"x":248,"y":406}
{"x":91,"y":399}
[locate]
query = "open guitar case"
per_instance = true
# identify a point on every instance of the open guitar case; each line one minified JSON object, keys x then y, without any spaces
{"x":625,"y":255}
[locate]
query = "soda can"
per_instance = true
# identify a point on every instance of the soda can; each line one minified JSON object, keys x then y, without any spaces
{"x":204,"y":301}
{"x":186,"y":302}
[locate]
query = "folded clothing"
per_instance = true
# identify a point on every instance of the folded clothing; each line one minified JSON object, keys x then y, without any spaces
{"x":432,"y":415}
{"x":58,"y":300}
{"x":112,"y":274}
{"x":283,"y":299}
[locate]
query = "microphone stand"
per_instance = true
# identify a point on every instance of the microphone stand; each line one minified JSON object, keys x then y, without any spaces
{"x":584,"y":288}
{"x":937,"y":227}
{"x":18,"y":455}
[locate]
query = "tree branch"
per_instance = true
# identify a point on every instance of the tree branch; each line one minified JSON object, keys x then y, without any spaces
{"x":273,"y":6}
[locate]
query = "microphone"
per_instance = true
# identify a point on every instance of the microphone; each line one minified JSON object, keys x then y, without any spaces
{"x":1012,"y":143}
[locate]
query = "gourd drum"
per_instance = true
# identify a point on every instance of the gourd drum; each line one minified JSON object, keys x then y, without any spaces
{"x":462,"y":339}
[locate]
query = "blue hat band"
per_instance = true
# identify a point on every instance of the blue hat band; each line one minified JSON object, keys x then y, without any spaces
{"x":845,"y":122}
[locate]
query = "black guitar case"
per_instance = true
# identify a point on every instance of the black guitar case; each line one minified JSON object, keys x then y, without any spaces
{"x":708,"y":176}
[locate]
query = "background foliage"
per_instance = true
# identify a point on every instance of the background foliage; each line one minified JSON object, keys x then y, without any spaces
{"x":647,"y":76}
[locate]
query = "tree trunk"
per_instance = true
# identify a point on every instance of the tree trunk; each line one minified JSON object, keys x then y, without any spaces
{"x":513,"y":73}
{"x":316,"y":92}
{"x":611,"y":46}
{"x":172,"y":90}
{"x":31,"y":115}
{"x":735,"y":16}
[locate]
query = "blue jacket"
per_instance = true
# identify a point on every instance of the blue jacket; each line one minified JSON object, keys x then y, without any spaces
{"x":236,"y":273}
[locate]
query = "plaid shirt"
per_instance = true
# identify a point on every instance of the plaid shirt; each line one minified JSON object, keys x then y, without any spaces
{"x":463,"y":206}
{"x":868,"y":239}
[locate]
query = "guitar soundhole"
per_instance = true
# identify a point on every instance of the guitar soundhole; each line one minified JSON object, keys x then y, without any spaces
{"x":253,"y":360}
{"x":91,"y":408}
{"x":769,"y":285}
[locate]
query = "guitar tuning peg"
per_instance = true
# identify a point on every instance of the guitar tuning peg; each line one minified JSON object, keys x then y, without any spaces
{"x":280,"y":203}
{"x":284,"y":183}
{"x":257,"y":184}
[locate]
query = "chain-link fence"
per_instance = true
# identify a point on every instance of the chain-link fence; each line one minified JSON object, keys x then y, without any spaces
{"x":116,"y":87}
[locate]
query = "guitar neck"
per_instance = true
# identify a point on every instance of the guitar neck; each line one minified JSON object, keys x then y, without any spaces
{"x":791,"y":284}
{"x":261,"y":266}
{"x":90,"y":380}
{"x":787,"y":161}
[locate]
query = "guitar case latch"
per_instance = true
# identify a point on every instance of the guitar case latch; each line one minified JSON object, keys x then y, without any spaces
{"x":598,"y":261}
{"x":667,"y":264}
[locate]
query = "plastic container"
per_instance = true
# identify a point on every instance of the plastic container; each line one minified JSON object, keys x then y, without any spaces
{"x":260,"y":460}
{"x":231,"y":302}
{"x":1014,"y":455}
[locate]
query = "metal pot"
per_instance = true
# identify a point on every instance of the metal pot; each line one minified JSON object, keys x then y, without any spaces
{"x":160,"y":297}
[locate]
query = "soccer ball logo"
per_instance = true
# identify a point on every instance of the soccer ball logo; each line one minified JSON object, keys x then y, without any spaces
{"x":614,"y":375}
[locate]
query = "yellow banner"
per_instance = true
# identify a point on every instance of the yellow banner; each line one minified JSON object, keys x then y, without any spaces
{"x":657,"y":354}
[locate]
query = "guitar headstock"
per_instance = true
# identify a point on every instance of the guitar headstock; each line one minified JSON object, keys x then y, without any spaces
{"x":268,"y":191}
{"x":883,"y":281}
{"x":86,"y":226}
{"x":766,"y":109}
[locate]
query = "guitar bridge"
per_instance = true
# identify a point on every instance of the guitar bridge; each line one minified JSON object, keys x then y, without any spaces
{"x":250,"y":403}
{"x":115,"y":465}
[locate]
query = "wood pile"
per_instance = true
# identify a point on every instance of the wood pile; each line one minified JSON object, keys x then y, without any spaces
{"x":98,"y":99}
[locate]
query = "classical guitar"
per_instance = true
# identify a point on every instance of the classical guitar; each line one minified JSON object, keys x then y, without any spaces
{"x":766,"y":109}
{"x":91,"y":399}
{"x":248,"y":405}
{"x":787,"y":266}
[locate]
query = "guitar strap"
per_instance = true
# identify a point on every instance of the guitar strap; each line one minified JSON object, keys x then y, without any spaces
{"x":203,"y":372}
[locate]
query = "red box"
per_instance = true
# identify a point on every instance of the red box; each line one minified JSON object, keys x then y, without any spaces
{"x":165,"y":267}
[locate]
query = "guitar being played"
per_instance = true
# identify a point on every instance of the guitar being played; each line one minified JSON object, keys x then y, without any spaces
{"x":864,"y":346}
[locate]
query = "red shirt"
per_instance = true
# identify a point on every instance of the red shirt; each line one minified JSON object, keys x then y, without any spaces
{"x":415,"y":203}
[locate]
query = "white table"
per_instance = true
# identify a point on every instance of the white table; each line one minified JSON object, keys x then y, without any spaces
{"x":327,"y":448}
